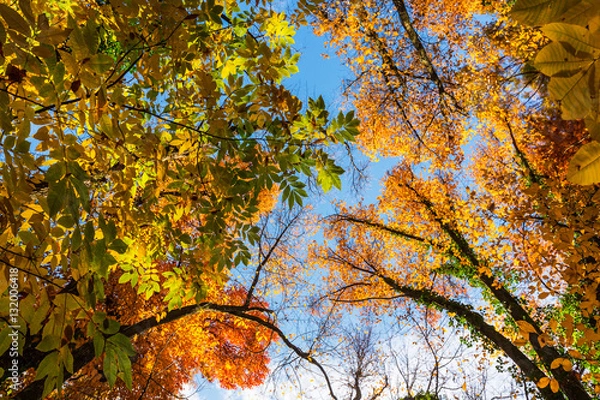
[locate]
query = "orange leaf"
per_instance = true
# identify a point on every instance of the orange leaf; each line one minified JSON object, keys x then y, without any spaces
{"x":520,"y":342}
{"x":556,"y":363}
{"x":526,"y":327}
{"x":554,"y":386}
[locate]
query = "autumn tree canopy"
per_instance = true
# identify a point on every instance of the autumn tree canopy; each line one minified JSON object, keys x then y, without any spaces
{"x":141,"y":142}
{"x":144,"y":144}
{"x":477,"y":220}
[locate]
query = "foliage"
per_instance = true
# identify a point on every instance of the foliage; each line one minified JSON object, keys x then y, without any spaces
{"x":475,"y":220}
{"x":143,"y":141}
{"x":571,"y":62}
{"x":140,"y":140}
{"x":217,"y":345}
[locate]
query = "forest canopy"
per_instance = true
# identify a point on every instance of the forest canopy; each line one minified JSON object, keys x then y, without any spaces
{"x":158,"y":176}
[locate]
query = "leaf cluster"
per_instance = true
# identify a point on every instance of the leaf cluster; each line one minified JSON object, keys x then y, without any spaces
{"x":571,"y":62}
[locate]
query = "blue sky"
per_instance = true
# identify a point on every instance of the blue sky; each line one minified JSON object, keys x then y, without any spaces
{"x":324,"y":76}
{"x":318,"y":76}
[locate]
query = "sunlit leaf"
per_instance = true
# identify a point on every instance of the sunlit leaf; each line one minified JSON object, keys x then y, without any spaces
{"x":14,"y":20}
{"x":540,"y":12}
{"x":584,"y":167}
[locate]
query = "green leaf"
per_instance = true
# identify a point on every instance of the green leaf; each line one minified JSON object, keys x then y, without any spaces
{"x":584,"y":167}
{"x":48,"y":366}
{"x":56,"y":172}
{"x":98,"y":343}
{"x":67,"y":358}
{"x":540,"y":12}
{"x":110,"y":231}
{"x":109,"y":326}
{"x":125,"y":367}
{"x":49,"y":343}
{"x":39,"y":316}
{"x":123,"y":350}
{"x":109,"y":367}
{"x":98,"y":317}
{"x":215,"y":17}
{"x":76,"y":239}
{"x":119,"y":246}
{"x":49,"y":385}
{"x":126,"y":277}
{"x":23,"y":146}
{"x":101,"y":63}
{"x":118,"y":351}
{"x":72,"y":153}
{"x":66,"y":221}
{"x":56,"y":198}
{"x":91,"y":35}
{"x":89,"y":231}
{"x":9,"y":142}
{"x":329,"y":175}
{"x":82,"y":192}
{"x":29,"y":237}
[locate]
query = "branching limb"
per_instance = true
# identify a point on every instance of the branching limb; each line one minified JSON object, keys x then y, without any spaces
{"x":416,"y":41}
{"x":268,"y":256}
{"x":85,"y":353}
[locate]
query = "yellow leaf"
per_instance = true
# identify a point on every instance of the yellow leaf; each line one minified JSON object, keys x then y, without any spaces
{"x":573,"y":93}
{"x":574,"y":353}
{"x":584,"y":167}
{"x":544,"y":340}
{"x":593,"y":127}
{"x":526,"y":327}
{"x":228,"y":69}
{"x":53,"y":35}
{"x":567,"y":365}
{"x":536,"y":12}
{"x":543,"y":295}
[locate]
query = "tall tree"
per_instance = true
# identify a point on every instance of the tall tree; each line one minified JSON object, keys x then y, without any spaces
{"x":138,"y":139}
{"x":474,"y":220}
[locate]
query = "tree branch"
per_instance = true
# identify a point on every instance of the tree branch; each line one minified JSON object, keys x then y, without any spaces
{"x":414,"y":38}
{"x":381,"y":227}
{"x":85,"y":353}
{"x":476,"y":321}
{"x":571,"y":386}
